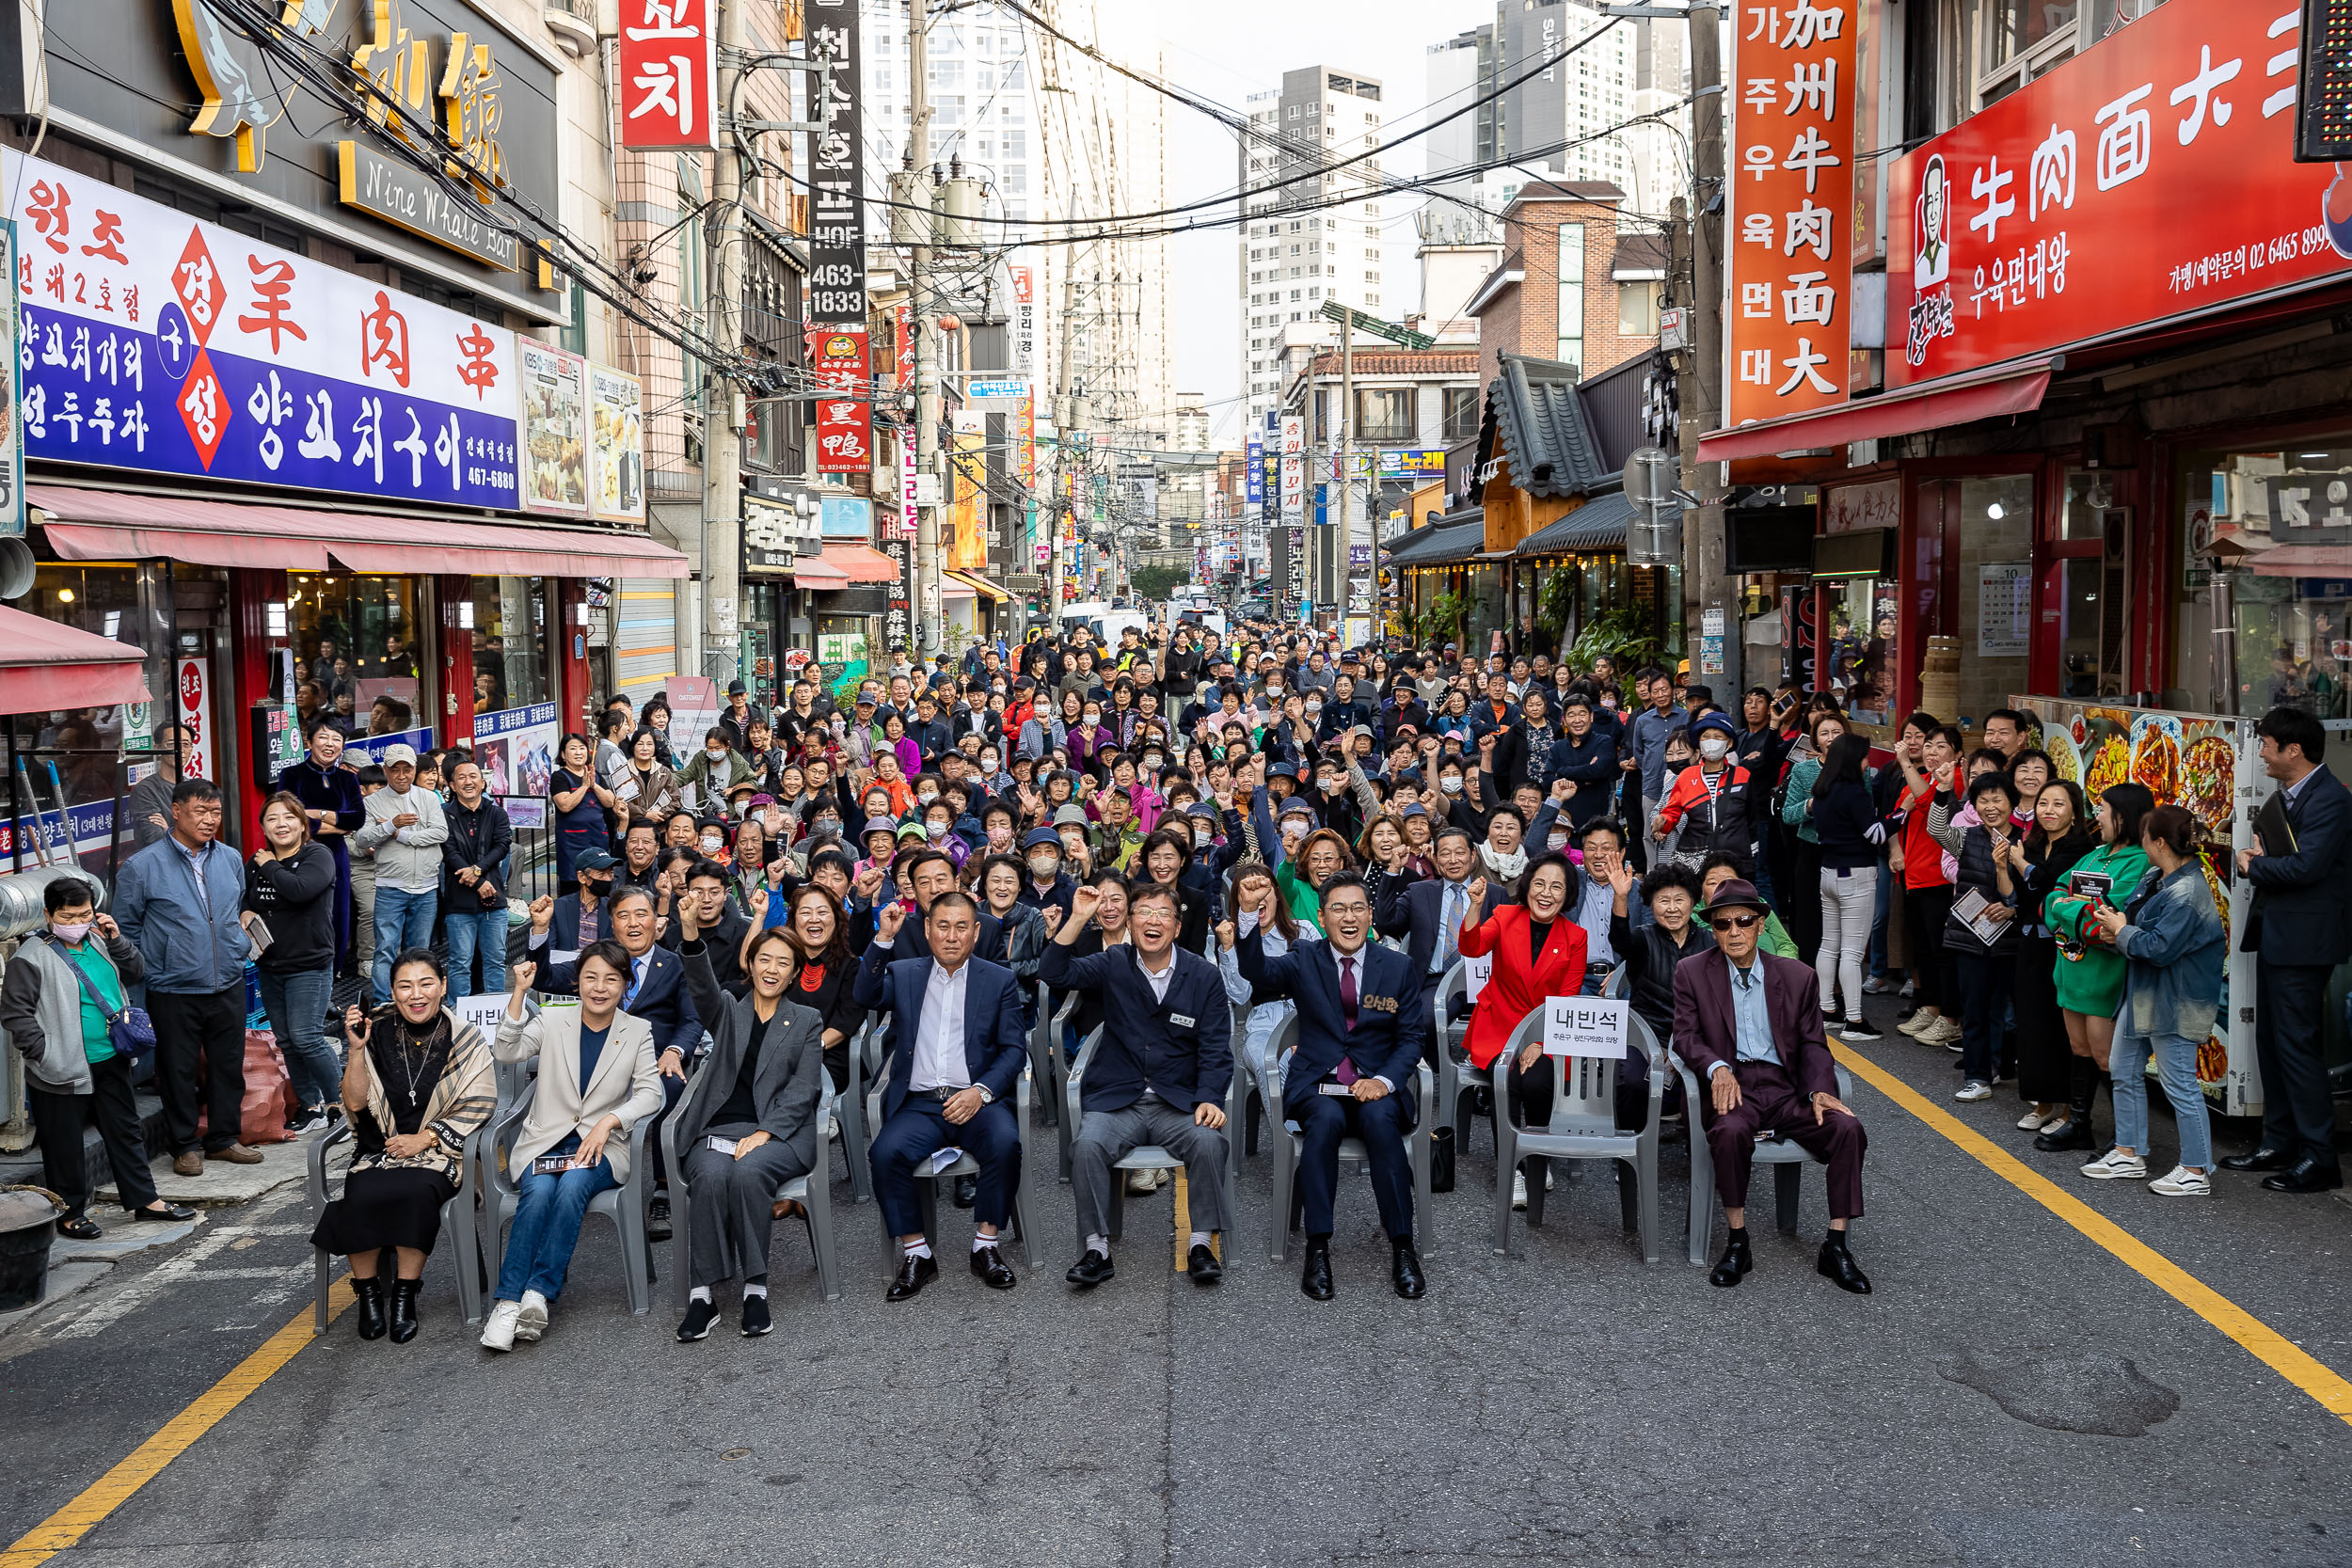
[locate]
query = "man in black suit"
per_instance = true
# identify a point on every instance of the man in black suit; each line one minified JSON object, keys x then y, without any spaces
{"x":960,"y":1052}
{"x":1360,"y":1028}
{"x":1160,"y":1074}
{"x":1428,"y":915}
{"x":723,"y":927}
{"x":932,"y":874}
{"x":2300,"y":868}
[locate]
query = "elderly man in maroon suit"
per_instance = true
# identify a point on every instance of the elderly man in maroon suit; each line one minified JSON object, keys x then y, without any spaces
{"x":1750,"y":1025}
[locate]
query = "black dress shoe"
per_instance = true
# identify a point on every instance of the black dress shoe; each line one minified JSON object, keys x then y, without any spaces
{"x":913,"y":1274}
{"x":757,"y":1320}
{"x":1315,"y":1278}
{"x":658,"y":1218}
{"x":1201,"y":1264}
{"x":2071,"y":1134}
{"x":81,"y":1228}
{"x":996,"y":1272}
{"x":1089,"y":1271}
{"x":2306,"y":1175}
{"x":368,"y":1301}
{"x":700,"y":1315}
{"x":1837,"y":1266}
{"x":1404,"y":1271}
{"x":967,"y":1190}
{"x":404,"y":1309}
{"x":2260,"y":1159}
{"x":169,"y":1213}
{"x":1736,"y":1263}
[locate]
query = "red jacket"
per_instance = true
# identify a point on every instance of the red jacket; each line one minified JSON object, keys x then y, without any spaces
{"x":1517,"y":987}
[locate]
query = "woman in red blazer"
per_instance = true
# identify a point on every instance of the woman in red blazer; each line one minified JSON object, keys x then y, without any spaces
{"x":1538,"y":951}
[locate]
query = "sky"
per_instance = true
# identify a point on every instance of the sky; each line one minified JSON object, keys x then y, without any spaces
{"x":1225,"y":50}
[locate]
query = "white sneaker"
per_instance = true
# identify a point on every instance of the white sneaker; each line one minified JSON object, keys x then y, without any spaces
{"x":1518,"y":1191}
{"x":1976,"y":1088}
{"x":2114,"y":1166}
{"x":533,"y":1319}
{"x":1139,"y":1182}
{"x":1874,"y":985}
{"x":2182,"y":1182}
{"x":2034,"y":1121}
{"x":498,"y":1333}
{"x":1546,"y":1178}
{"x":1919,"y":1023}
{"x":1945,"y":1033}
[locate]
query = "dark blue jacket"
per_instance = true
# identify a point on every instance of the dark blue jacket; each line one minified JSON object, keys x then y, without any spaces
{"x":1591,"y":765}
{"x":2300,"y":912}
{"x":1390,"y":1023}
{"x":1181,"y":1049}
{"x":995,"y":1041}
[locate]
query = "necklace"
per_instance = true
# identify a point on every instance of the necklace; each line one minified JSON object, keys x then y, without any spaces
{"x":411,"y":1062}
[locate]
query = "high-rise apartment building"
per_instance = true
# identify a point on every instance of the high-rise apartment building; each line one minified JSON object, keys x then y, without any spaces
{"x":1311,"y":231}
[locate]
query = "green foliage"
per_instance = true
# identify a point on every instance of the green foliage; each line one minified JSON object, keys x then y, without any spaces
{"x":1556,"y":602}
{"x":1157,"y":582}
{"x":1622,"y":634}
{"x":1442,"y":620}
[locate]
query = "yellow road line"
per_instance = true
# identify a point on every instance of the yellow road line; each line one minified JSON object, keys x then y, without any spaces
{"x":65,"y":1529}
{"x":2258,"y":1339}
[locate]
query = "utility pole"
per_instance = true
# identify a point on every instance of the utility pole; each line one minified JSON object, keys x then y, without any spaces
{"x":722,"y":445}
{"x":1344,"y":567}
{"x":1707,"y":583}
{"x":927,"y":604}
{"x":1065,"y":508}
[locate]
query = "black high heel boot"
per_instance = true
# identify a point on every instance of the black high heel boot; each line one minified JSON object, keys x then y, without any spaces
{"x":2082,"y":1087}
{"x":368,"y":1294}
{"x":404,"y":1309}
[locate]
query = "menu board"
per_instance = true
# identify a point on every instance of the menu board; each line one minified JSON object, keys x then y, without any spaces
{"x":554,"y":417}
{"x":616,"y":451}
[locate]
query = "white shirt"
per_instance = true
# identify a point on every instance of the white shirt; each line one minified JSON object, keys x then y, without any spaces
{"x":939,"y":1059}
{"x":1161,"y":980}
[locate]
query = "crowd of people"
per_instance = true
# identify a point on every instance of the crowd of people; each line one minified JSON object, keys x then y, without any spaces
{"x":1201,"y":840}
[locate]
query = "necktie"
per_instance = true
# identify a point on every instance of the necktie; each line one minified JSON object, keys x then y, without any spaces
{"x":1449,"y":946}
{"x":636,"y":978}
{"x":1345,"y":1072}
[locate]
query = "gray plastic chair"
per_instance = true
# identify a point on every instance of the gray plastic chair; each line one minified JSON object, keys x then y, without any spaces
{"x":1152,"y":1156}
{"x":625,"y":1204}
{"x":1458,"y":1081}
{"x":1788,"y":1161}
{"x":1583,"y":1126}
{"x":1041,"y":1053}
{"x":1057,"y":1073}
{"x":813,"y":1192}
{"x":1289,"y":1149}
{"x":927,"y":1189}
{"x":857,"y":1139}
{"x":461,"y":1240}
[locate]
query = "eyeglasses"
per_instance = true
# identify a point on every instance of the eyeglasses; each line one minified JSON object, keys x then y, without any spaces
{"x":1736,"y":922}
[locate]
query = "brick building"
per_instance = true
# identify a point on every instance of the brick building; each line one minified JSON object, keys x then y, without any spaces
{"x":1569,"y":305}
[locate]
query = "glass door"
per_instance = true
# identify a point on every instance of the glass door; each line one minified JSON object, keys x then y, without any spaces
{"x":2091,"y":558}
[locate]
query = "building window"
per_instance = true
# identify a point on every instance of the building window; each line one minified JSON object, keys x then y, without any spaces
{"x":1462,"y":410}
{"x":1571,"y":311}
{"x":1386,"y":415}
{"x":1637,"y":310}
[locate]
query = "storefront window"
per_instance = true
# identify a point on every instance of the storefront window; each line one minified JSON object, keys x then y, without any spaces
{"x":509,"y":618}
{"x":357,"y":640}
{"x":2293,"y":595}
{"x":1865,"y":653}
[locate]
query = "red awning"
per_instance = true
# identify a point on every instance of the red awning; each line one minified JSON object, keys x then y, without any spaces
{"x":859,"y":563}
{"x":96,"y":525}
{"x":47,"y":664}
{"x":2016,"y":390}
{"x":811,"y":571}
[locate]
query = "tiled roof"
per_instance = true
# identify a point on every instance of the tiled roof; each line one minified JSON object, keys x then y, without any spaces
{"x":1598,"y":524}
{"x":1463,"y":535}
{"x":1543,"y":430}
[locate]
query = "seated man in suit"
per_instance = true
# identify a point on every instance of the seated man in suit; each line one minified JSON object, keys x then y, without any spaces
{"x":1160,"y":1074}
{"x":723,"y":929}
{"x":1360,"y":1031}
{"x":1750,"y":1025}
{"x":1430,"y":913}
{"x":577,"y":919}
{"x":931,"y":874}
{"x":656,"y":992}
{"x":959,"y":1051}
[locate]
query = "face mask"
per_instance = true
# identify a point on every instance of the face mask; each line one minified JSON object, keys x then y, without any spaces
{"x":1714,"y":747}
{"x":1072,"y":845}
{"x":1559,"y":841}
{"x":1609,"y":702}
{"x":1314,"y":709}
{"x":828,"y":825}
{"x":928,"y":796}
{"x":937,"y":831}
{"x":988,"y":764}
{"x":1295,"y":834}
{"x":1204,"y":836}
{"x":595,"y":888}
{"x":1452,"y":785}
{"x":71,"y":933}
{"x":1152,"y":761}
{"x":1044,"y":866}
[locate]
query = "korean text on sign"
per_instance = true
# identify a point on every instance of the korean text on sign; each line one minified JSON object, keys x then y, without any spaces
{"x":669,"y":74}
{"x":1586,"y":1026}
{"x":1791,"y":173}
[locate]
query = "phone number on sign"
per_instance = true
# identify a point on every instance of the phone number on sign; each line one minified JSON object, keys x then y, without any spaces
{"x":2224,"y":264}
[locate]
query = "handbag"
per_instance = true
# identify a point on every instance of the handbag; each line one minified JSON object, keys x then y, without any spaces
{"x":129,"y":1030}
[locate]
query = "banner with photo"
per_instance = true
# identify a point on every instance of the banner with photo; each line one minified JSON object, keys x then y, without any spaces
{"x":516,"y":751}
{"x":554,"y":414}
{"x":616,"y":471}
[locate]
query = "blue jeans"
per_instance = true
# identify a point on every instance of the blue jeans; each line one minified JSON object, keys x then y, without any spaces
{"x":2176,"y":1066}
{"x":547,"y":1229}
{"x":485,"y":929}
{"x":297,"y":1003}
{"x":403,"y":920}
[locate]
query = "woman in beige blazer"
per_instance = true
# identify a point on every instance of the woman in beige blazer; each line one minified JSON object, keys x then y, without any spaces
{"x":596,"y":1078}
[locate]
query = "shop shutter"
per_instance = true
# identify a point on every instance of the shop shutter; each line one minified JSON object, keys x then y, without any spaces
{"x":645,"y":643}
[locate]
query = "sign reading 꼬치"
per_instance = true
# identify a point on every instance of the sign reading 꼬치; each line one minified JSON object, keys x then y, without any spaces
{"x":669,"y":74}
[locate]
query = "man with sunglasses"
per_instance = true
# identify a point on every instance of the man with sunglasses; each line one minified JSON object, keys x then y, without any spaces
{"x":1750,"y":1025}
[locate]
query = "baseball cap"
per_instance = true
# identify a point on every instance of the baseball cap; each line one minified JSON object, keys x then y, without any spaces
{"x":589,"y":859}
{"x":392,"y":754}
{"x":1042,"y":838}
{"x":1071,"y":816}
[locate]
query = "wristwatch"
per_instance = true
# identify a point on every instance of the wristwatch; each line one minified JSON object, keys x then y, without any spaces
{"x":986,"y":1098}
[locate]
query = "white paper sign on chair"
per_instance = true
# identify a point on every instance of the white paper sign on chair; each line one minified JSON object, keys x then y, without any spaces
{"x":1476,"y":973}
{"x":482,"y":1012}
{"x":1586,"y":1026}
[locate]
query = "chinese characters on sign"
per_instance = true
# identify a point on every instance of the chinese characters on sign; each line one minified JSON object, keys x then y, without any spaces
{"x":2152,"y":176}
{"x":836,"y":357}
{"x":837,"y":218}
{"x":154,"y":342}
{"x":1791,"y":263}
{"x":668,"y":75}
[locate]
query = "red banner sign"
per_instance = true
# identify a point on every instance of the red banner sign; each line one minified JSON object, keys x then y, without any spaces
{"x":2152,"y":176}
{"x":669,"y":74}
{"x":1786,"y":311}
{"x":836,"y":357}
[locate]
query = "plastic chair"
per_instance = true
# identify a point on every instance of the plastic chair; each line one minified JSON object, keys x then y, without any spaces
{"x":1040,"y":1052}
{"x":856,"y":1137}
{"x":1457,"y":1088}
{"x":1150,"y":1156}
{"x":457,"y":1226}
{"x":927,"y":1185}
{"x":624,"y":1205}
{"x":1352,"y":1151}
{"x":1056,"y":1074}
{"x":812,"y":1192}
{"x":1786,"y":1159}
{"x":1583,"y":1126}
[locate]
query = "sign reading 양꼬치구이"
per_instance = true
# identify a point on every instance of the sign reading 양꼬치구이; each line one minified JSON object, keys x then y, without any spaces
{"x":154,"y":342}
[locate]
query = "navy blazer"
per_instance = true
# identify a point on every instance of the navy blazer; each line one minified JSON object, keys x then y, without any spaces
{"x":1411,"y":910}
{"x":1390,"y":1023}
{"x":662,"y":1001}
{"x":1181,"y":1049}
{"x":995,"y":1041}
{"x":2299,"y":879}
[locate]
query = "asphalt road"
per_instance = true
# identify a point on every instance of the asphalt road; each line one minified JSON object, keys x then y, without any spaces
{"x":2012,"y":1393}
